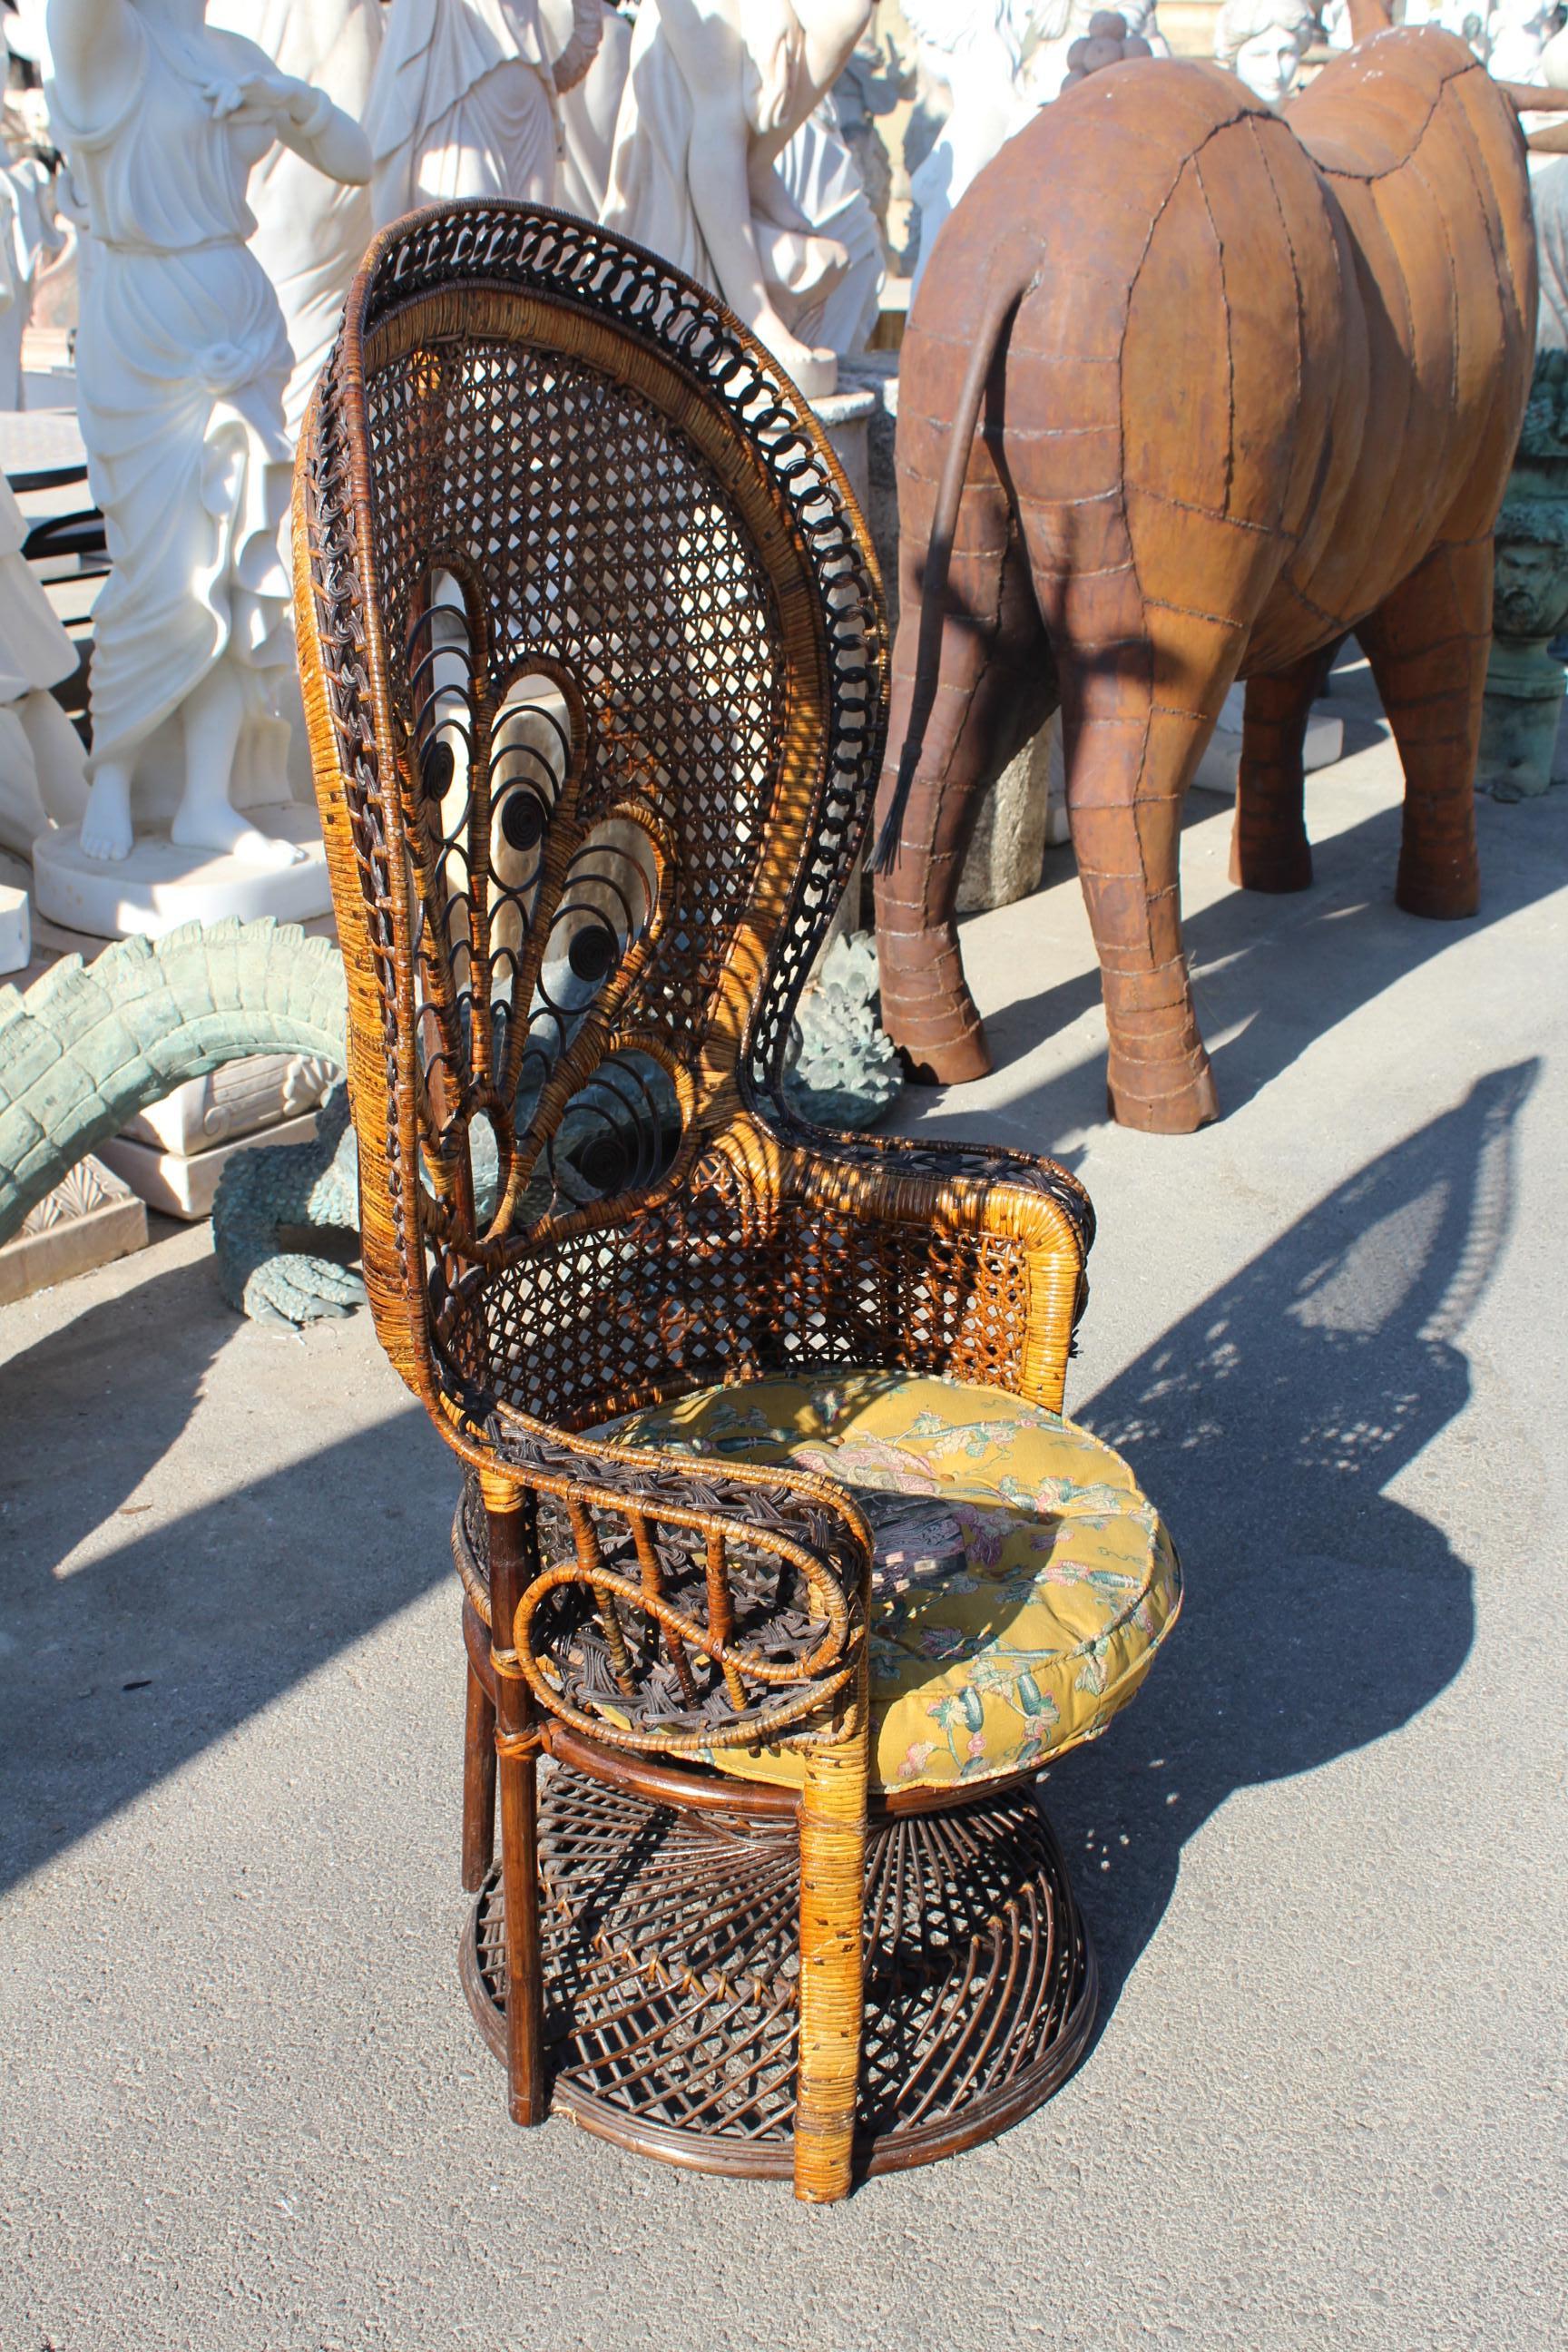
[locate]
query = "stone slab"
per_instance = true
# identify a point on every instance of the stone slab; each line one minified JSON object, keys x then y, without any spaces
{"x":1221,"y":763}
{"x":180,"y":1184}
{"x":87,"y":1220}
{"x":244,"y":1099}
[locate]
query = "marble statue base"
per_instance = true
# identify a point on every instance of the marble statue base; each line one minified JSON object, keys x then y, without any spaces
{"x":159,"y":887}
{"x":845,"y":417}
{"x":1217,"y":772}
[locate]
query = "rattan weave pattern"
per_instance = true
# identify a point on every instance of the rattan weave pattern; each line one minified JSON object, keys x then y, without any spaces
{"x":671,"y":1968}
{"x":595,"y":666}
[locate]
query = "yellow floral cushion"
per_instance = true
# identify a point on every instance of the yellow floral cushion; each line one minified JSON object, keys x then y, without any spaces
{"x":1021,"y":1585}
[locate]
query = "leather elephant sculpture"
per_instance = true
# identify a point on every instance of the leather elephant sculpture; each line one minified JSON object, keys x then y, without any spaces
{"x":1191,"y":390}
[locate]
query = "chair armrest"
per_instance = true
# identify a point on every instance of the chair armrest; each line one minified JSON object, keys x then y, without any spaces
{"x":673,"y":1606}
{"x":956,"y":1260}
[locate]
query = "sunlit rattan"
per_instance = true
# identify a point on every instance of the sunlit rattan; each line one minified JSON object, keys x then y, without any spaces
{"x":594,"y":658}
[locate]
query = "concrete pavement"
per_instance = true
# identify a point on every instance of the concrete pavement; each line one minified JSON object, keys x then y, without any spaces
{"x":242,"y":2107}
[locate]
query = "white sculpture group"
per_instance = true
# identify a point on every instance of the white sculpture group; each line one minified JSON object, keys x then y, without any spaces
{"x":229,"y":164}
{"x":227,"y":168}
{"x":181,"y":367}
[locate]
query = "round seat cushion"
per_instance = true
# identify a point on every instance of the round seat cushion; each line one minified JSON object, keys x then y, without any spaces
{"x":1022,"y":1582}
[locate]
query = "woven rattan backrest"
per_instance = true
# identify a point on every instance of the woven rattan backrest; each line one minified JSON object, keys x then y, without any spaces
{"x":593,"y":658}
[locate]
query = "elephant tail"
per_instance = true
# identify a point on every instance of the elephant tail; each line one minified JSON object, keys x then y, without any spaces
{"x":1004,"y":301}
{"x":91,"y":1045}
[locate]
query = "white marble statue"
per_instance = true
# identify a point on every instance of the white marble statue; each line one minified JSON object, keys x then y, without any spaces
{"x":1264,"y":42}
{"x":464,"y":101}
{"x":985,"y":54}
{"x":30,"y":234}
{"x":30,"y":231}
{"x":43,"y":781}
{"x":311,"y":230}
{"x":1517,"y":34}
{"x":182,"y":361}
{"x":590,"y":109}
{"x":717,"y":91}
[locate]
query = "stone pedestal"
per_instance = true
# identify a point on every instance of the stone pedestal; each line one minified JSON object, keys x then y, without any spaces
{"x":173,"y":1155}
{"x":1520,"y":713}
{"x":845,"y":417}
{"x":1220,"y":766}
{"x":159,"y":887}
{"x":88,"y":1220}
{"x":1025,"y":815}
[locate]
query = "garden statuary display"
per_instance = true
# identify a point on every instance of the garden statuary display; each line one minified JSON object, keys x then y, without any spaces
{"x":182,"y":362}
{"x":716,"y":92}
{"x":464,"y":101}
{"x":1243,"y":383}
{"x":312,"y":229}
{"x":1264,"y":41}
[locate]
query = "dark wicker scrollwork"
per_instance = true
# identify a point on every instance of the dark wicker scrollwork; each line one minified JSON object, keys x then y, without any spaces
{"x":679,"y":1609}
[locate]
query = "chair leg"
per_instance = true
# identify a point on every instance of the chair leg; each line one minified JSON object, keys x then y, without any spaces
{"x":478,"y":1786}
{"x":508,"y":1509}
{"x":831,"y":1989}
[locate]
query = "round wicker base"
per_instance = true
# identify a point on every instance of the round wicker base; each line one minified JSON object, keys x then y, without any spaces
{"x":671,"y":1960}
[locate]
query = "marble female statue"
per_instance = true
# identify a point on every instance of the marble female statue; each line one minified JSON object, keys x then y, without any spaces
{"x":986,"y":53}
{"x":311,"y":230}
{"x":464,"y":101}
{"x":590,"y":109}
{"x":1264,"y":42}
{"x":716,"y":92}
{"x":181,"y":361}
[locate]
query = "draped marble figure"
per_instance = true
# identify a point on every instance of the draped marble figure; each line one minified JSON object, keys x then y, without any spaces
{"x":311,"y":230}
{"x":181,"y":364}
{"x":466,"y":101}
{"x":716,"y":92}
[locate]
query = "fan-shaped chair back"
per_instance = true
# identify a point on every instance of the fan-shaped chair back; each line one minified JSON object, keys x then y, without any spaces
{"x":594,"y":654}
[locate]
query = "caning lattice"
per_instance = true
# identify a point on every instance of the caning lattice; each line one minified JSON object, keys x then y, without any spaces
{"x":595,"y":660}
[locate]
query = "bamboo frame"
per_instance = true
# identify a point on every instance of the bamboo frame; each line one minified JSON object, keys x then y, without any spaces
{"x":720,"y":723}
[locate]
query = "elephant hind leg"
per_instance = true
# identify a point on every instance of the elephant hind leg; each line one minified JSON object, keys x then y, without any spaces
{"x":996,"y":687}
{"x":1427,"y":646}
{"x":1126,"y":778}
{"x":1268,"y":848}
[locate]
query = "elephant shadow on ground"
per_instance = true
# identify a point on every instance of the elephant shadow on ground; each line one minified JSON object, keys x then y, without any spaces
{"x":1322,"y":1615}
{"x":1271,"y":975}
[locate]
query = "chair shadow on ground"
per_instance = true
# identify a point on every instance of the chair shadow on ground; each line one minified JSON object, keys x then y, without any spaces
{"x":117,"y":1671}
{"x":1321,"y":1613}
{"x":1272,"y":975}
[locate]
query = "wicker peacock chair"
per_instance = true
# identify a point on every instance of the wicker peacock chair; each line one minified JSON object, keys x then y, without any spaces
{"x":595,"y":660}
